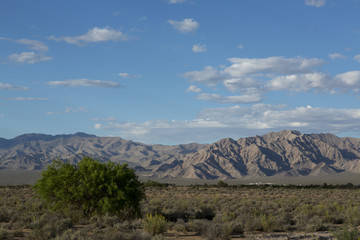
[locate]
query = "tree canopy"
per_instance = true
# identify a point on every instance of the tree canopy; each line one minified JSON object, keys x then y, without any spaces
{"x":92,"y":186}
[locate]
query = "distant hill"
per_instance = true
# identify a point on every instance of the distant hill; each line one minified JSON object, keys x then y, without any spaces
{"x":285,"y":153}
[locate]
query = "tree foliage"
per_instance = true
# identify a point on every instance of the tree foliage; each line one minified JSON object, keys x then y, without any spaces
{"x":92,"y":186}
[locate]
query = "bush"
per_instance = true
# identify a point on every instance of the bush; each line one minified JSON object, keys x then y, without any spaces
{"x":91,"y":186}
{"x":347,"y":234}
{"x":155,"y":224}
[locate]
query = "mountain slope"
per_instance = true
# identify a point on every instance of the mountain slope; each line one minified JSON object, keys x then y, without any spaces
{"x":35,"y":151}
{"x":286,"y":153}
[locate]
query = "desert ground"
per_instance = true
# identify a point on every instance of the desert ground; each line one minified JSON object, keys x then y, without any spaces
{"x":205,"y":210}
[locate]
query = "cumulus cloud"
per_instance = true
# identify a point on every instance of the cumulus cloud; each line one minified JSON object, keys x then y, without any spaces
{"x":251,"y":96}
{"x":237,"y":121}
{"x":127,"y":75}
{"x":176,"y":1}
{"x":34,"y":44}
{"x":357,"y":58}
{"x":280,"y":65}
{"x":337,"y":56}
{"x":240,"y":46}
{"x":197,"y":48}
{"x":27,"y":99}
{"x":240,"y":83}
{"x":255,"y":77}
{"x":28,"y":57}
{"x":242,"y":69}
{"x":68,"y":110}
{"x":275,"y":73}
{"x":6,"y":86}
{"x":185,"y":26}
{"x":349,"y":79}
{"x":209,"y":76}
{"x":315,"y":3}
{"x":94,"y":35}
{"x":83,"y":82}
{"x":193,"y":88}
{"x":301,"y":82}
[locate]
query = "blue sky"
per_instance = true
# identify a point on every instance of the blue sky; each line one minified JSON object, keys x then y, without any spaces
{"x":179,"y":71}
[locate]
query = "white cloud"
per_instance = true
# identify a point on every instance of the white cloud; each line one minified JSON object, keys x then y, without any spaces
{"x":238,"y":84}
{"x":357,"y":58}
{"x":271,"y":74}
{"x":185,"y":26}
{"x":83,"y":82}
{"x":197,"y":48}
{"x":315,"y":3}
{"x":6,"y":86}
{"x":68,"y":110}
{"x":193,"y":88}
{"x":251,"y":96}
{"x":237,"y":121}
{"x":349,"y":79}
{"x":94,"y":35}
{"x":33,"y":44}
{"x":176,"y":1}
{"x":108,"y":119}
{"x":28,"y":57}
{"x":337,"y":56}
{"x":301,"y":82}
{"x":127,"y":75}
{"x":280,"y":65}
{"x":27,"y":99}
{"x":246,"y":73}
{"x":209,"y":76}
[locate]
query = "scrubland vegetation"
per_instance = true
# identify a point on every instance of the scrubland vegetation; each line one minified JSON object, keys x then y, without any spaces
{"x":95,"y":200}
{"x":191,"y":212}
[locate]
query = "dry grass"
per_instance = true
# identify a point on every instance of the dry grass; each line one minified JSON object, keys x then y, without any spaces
{"x":192,"y":212}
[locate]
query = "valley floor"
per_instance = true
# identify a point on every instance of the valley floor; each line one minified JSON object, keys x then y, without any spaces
{"x":195,"y":212}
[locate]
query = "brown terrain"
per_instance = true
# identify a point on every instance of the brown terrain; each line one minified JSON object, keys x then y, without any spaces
{"x":285,"y":153}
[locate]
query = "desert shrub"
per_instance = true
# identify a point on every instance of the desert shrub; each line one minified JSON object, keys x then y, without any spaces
{"x":5,"y":214}
{"x":155,"y":224}
{"x":49,"y":226}
{"x":221,"y":183}
{"x":352,"y":214}
{"x":73,"y":235}
{"x":210,"y":230}
{"x":91,"y":186}
{"x":315,"y":224}
{"x":3,"y":233}
{"x":205,"y":212}
{"x":267,"y":222}
{"x":347,"y":234}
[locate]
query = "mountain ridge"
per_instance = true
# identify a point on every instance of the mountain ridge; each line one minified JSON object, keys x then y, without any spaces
{"x":285,"y":153}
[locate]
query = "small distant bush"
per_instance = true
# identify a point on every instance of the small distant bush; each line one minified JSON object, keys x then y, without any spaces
{"x":92,"y":186}
{"x":3,"y":233}
{"x":155,"y":224}
{"x":221,"y":183}
{"x":347,"y":234}
{"x":205,"y":212}
{"x":152,"y":183}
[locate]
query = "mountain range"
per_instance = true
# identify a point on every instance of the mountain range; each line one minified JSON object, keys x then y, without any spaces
{"x":285,"y":153}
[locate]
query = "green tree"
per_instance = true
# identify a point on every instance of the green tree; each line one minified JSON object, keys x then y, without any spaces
{"x":92,"y":186}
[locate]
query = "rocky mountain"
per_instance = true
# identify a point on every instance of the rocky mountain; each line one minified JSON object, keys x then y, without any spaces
{"x":286,"y":153}
{"x":35,"y":151}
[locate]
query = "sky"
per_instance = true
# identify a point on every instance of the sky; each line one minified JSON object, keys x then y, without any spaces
{"x":179,"y":71}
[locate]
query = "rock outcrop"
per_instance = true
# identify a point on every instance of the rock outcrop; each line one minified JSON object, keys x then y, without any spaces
{"x":285,"y":153}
